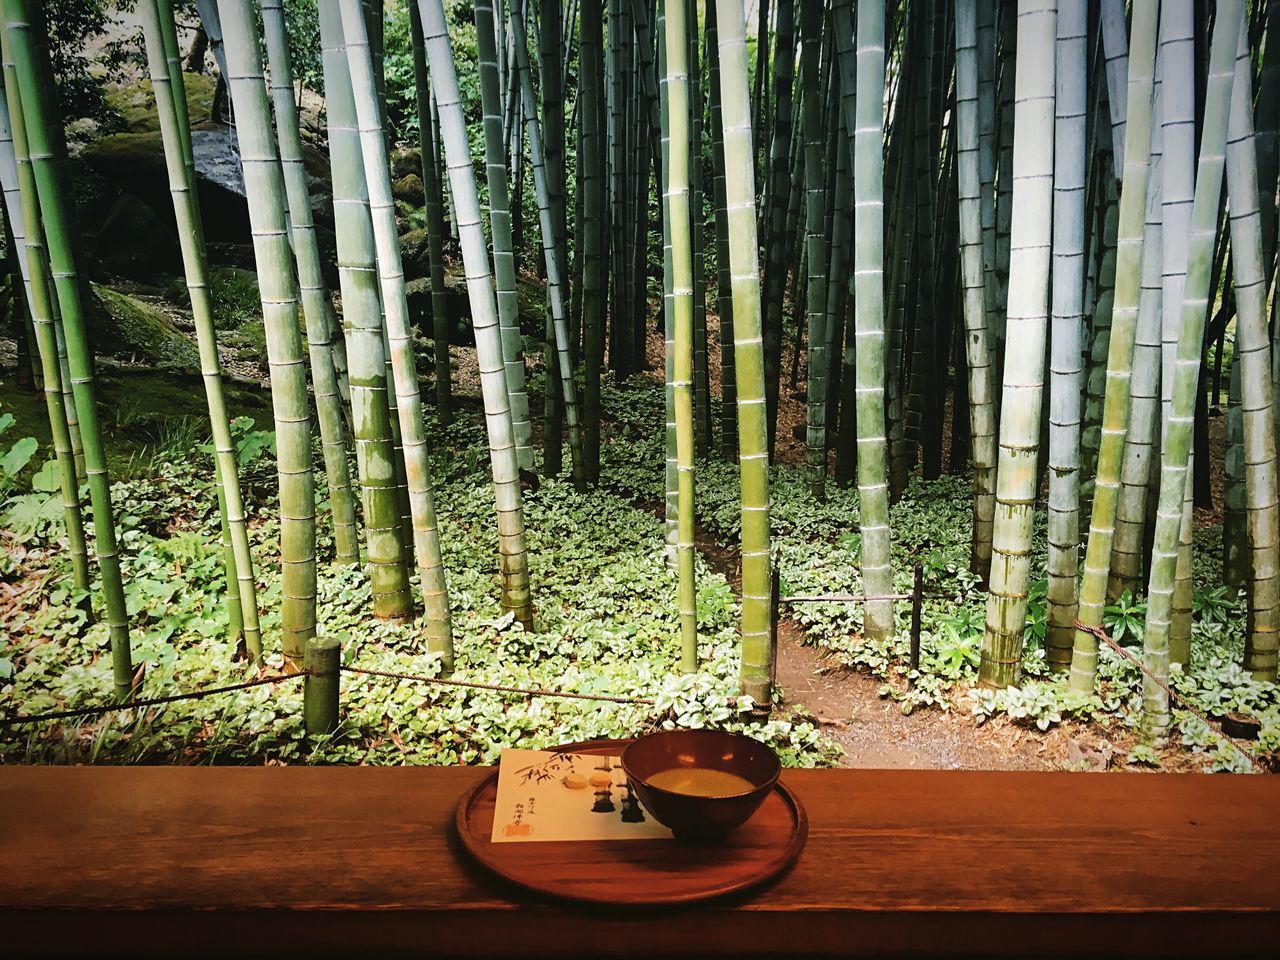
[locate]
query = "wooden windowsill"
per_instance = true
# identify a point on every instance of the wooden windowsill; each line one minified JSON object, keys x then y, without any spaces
{"x":359,"y":861}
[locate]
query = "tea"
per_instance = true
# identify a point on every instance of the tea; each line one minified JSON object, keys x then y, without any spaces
{"x":701,"y":782}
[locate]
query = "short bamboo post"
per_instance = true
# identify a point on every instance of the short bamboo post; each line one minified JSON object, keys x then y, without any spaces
{"x":320,"y":689}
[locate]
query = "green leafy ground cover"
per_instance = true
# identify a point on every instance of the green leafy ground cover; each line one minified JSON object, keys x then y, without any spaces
{"x":605,"y":607}
{"x":606,"y":616}
{"x":817,"y":550}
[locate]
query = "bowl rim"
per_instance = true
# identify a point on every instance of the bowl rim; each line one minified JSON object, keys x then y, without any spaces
{"x":760,"y":788}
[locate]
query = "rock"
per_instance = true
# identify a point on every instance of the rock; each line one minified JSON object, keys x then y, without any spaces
{"x":134,"y":330}
{"x":409,"y":189}
{"x":406,"y":161}
{"x":135,"y":163}
{"x":414,"y":256}
{"x":136,"y":104}
{"x":133,"y":242}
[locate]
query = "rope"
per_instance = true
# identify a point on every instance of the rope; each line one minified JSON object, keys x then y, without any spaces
{"x":140,"y":704}
{"x":473,"y":685}
{"x":1101,"y":634}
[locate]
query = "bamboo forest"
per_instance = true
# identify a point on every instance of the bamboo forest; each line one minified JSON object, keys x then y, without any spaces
{"x":402,"y":381}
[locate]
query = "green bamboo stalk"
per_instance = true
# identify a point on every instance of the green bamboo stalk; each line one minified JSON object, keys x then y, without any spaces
{"x":1262,"y":635}
{"x":981,"y":378}
{"x":671,"y":516}
{"x":173,"y":68}
{"x":1178,"y":129}
{"x":179,"y":162}
{"x":362,"y":320}
{"x":758,"y":648}
{"x":265,"y":192}
{"x":1175,"y":456}
{"x":701,"y":370}
{"x":815,"y":249}
{"x":1028,"y":309}
{"x":775,"y":215}
{"x":514,"y":559}
{"x":30,"y":85}
{"x":1144,"y":391}
{"x":551,"y":144}
{"x":426,"y":533}
{"x":1066,"y":359}
{"x":724,"y":285}
{"x":429,"y":147}
{"x":595,"y":237}
{"x":1099,"y":337}
{"x":504,"y":264}
{"x":1006,"y":133}
{"x":1116,"y":53}
{"x":1235,"y":537}
{"x":25,"y":234}
{"x":1123,"y":318}
{"x":868,"y":270}
{"x":676,"y":167}
{"x":317,"y":308}
{"x":552,"y":255}
{"x":986,"y":119}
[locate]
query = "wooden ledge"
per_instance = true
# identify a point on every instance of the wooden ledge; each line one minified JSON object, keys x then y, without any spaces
{"x":359,"y":861}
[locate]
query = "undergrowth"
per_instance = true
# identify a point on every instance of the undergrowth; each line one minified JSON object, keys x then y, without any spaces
{"x":605,"y":613}
{"x":606,"y":623}
{"x":817,"y":549}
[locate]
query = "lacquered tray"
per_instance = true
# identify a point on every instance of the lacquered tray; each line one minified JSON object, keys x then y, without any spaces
{"x":637,"y":872}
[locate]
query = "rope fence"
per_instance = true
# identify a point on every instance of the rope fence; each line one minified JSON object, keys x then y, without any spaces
{"x":313,"y":673}
{"x":1102,"y":635}
{"x":324,"y":666}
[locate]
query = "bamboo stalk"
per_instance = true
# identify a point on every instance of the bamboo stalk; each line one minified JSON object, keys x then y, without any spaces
{"x":362,"y":324}
{"x":180,"y":166}
{"x":26,"y":236}
{"x":1175,"y":456}
{"x":1262,"y":636}
{"x":29,"y":82}
{"x":1066,"y":359}
{"x":317,"y":308}
{"x":563,"y":367}
{"x":1123,"y":317}
{"x":981,"y":378}
{"x":677,"y":193}
{"x":395,"y":304}
{"x":504,"y":264}
{"x":514,"y":561}
{"x":265,"y":192}
{"x":758,"y":650}
{"x":868,"y":271}
{"x":1029,"y":267}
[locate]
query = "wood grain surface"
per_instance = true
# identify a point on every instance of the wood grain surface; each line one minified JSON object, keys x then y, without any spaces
{"x":357,"y":861}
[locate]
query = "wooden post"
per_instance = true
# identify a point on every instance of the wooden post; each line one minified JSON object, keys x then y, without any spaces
{"x":320,"y":689}
{"x":917,"y":602}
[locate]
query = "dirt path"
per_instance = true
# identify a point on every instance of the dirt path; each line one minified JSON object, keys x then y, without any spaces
{"x":872,"y":730}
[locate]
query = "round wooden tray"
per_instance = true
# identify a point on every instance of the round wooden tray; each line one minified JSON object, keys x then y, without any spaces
{"x":637,"y":872}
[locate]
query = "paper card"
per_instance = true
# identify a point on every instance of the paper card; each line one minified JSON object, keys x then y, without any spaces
{"x":546,"y":795}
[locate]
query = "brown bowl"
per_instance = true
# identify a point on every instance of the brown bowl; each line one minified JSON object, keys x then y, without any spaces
{"x":698,"y":817}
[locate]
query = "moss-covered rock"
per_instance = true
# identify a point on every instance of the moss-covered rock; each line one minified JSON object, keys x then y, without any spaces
{"x":405,"y":161}
{"x":131,"y":329}
{"x":409,"y":189}
{"x":136,"y":103}
{"x":414,"y":255}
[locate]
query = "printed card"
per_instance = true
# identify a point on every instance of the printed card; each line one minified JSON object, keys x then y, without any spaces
{"x":547,"y":795}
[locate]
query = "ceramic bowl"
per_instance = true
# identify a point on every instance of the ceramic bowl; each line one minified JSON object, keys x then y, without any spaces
{"x":697,"y":817}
